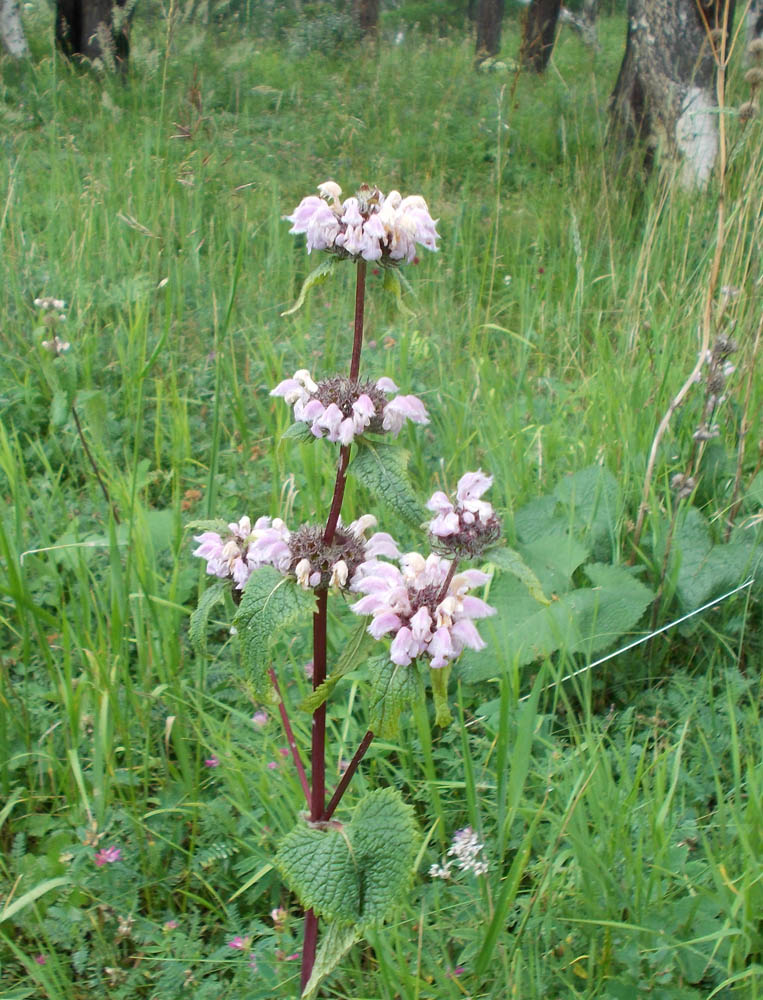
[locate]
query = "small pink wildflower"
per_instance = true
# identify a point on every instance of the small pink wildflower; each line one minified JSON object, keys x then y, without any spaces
{"x":467,"y":525}
{"x":40,"y":959}
{"x":107,"y":856}
{"x":371,"y":225}
{"x":284,"y":751}
{"x":239,"y":943}
{"x":341,"y":409}
{"x":412,"y":605}
{"x":272,"y":765}
{"x":170,"y":925}
{"x":212,"y":761}
{"x":260,"y":719}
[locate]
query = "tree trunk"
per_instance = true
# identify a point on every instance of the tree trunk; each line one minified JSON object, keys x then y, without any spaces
{"x":367,"y":16}
{"x":538,"y":34}
{"x":665,"y":92}
{"x":755,"y":20}
{"x":489,"y":18}
{"x":11,"y":30}
{"x":95,"y":29}
{"x":584,"y":22}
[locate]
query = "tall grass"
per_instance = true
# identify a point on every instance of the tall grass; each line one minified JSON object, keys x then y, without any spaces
{"x":549,"y":333}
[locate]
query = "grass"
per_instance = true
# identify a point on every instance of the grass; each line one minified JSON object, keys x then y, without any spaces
{"x":622,"y":811}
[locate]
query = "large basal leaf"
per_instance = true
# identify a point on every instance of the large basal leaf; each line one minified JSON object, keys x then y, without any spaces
{"x":591,"y":497}
{"x":554,"y":559}
{"x":353,"y":874}
{"x":321,"y":273}
{"x":706,"y":570}
{"x":393,"y":690}
{"x":586,"y":620}
{"x":271,"y":604}
{"x":197,"y":631}
{"x":383,"y":470}
{"x":510,"y":561}
{"x":353,"y":653}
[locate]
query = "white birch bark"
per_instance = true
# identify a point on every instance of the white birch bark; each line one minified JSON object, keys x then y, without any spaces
{"x":11,"y":30}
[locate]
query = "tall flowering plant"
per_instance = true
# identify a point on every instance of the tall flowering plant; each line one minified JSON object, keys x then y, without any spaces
{"x":422,"y":608}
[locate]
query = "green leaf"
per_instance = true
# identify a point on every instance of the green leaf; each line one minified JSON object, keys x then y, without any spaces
{"x":33,"y":894}
{"x":320,"y":867}
{"x":592,"y":497}
{"x":271,"y":603}
{"x":707,"y":570}
{"x":393,"y":283}
{"x":439,"y":678}
{"x":321,"y":273}
{"x":197,"y":631}
{"x":383,"y":470}
{"x":554,"y":559}
{"x":353,"y":874}
{"x":352,"y":654}
{"x":383,"y":836}
{"x":510,"y":561}
{"x":393,"y":690}
{"x":60,"y":408}
{"x":207,"y":524}
{"x":299,"y":432}
{"x":336,"y":940}
{"x":586,"y":620}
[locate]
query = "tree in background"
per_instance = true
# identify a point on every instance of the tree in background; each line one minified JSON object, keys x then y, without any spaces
{"x":489,"y":18}
{"x":95,"y":29}
{"x":11,"y":30}
{"x":665,"y":92}
{"x":538,"y":34}
{"x":367,"y":16}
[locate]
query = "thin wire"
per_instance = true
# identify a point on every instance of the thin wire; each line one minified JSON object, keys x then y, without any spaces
{"x":646,"y":638}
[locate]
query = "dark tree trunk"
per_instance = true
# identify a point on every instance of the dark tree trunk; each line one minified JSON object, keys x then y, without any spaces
{"x":367,"y":16}
{"x":489,"y":18}
{"x":665,"y":92}
{"x":95,"y":29}
{"x":539,"y":33}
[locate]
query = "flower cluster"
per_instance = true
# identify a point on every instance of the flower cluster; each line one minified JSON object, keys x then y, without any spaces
{"x":465,"y":850}
{"x":302,"y":553}
{"x":428,"y":611}
{"x":244,"y":549}
{"x":107,"y":856}
{"x":719,"y":371}
{"x":469,"y":525}
{"x":371,"y":225}
{"x":343,"y":408}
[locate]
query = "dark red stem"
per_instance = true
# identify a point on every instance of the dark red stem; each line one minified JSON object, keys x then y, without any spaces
{"x":290,"y":738}
{"x":451,"y":573}
{"x":346,"y":778}
{"x":360,"y":301}
{"x":320,"y":618}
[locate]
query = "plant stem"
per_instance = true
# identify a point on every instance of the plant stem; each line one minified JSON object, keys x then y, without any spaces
{"x":320,"y":619}
{"x":346,"y":778}
{"x":360,"y":300}
{"x":290,"y":737}
{"x":448,"y":579}
{"x":93,"y":465}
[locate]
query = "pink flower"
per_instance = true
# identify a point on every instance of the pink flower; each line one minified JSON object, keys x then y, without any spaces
{"x":260,"y":719}
{"x":107,"y":856}
{"x":468,"y":525}
{"x":40,"y":960}
{"x":412,"y":604}
{"x":341,"y":410}
{"x":272,"y":765}
{"x":171,"y":925}
{"x":244,"y":549}
{"x":369,"y":226}
{"x":212,"y":761}
{"x":239,"y":943}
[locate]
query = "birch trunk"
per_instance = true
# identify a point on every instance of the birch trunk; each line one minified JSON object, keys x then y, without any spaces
{"x":665,"y":93}
{"x":11,"y":30}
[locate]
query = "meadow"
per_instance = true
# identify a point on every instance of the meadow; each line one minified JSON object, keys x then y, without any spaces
{"x":621,"y":810}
